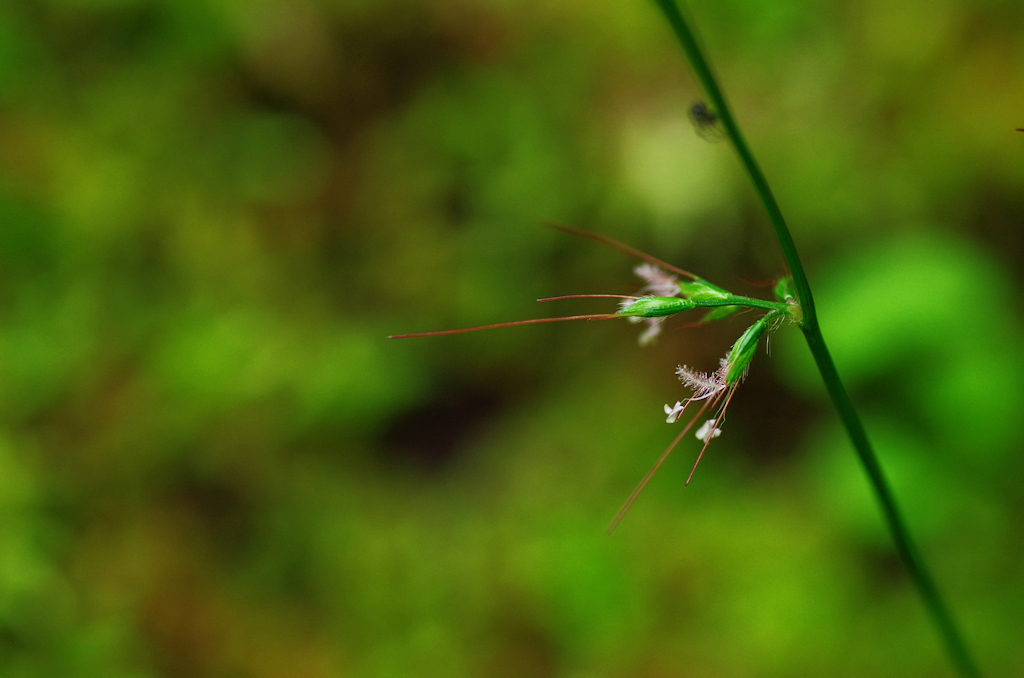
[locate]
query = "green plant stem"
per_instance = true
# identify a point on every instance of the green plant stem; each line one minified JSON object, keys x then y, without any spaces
{"x":721,"y":109}
{"x":926,"y":588}
{"x":749,"y":302}
{"x":901,"y":536}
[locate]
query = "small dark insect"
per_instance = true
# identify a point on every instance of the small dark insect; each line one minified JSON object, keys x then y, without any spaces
{"x":706,"y":122}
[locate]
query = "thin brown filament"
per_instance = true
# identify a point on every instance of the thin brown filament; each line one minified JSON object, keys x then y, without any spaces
{"x":589,"y":296}
{"x":650,"y":474}
{"x":759,"y":283}
{"x":686,"y":326}
{"x":718,"y":420}
{"x":581,"y":233}
{"x":598,"y":316}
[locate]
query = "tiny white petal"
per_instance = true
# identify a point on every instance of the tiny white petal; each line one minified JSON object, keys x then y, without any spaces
{"x":674,"y":412}
{"x":707,"y":431}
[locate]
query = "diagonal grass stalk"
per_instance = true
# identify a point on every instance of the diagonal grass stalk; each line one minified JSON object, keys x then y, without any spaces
{"x":933,"y":601}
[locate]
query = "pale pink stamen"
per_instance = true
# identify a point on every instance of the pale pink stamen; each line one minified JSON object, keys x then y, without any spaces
{"x":703,"y":385}
{"x":659,"y":283}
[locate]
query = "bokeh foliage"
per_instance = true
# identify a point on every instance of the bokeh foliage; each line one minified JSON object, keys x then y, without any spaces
{"x":212,"y":463}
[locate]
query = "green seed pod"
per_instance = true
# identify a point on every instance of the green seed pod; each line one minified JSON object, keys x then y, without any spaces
{"x":656,"y":307}
{"x":703,"y":291}
{"x":784,"y":289}
{"x":742,"y":352}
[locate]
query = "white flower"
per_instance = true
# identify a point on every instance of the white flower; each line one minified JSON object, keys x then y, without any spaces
{"x":674,"y":412}
{"x":707,"y":431}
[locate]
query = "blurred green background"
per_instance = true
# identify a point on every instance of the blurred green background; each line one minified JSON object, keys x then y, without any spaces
{"x":213,"y":463}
